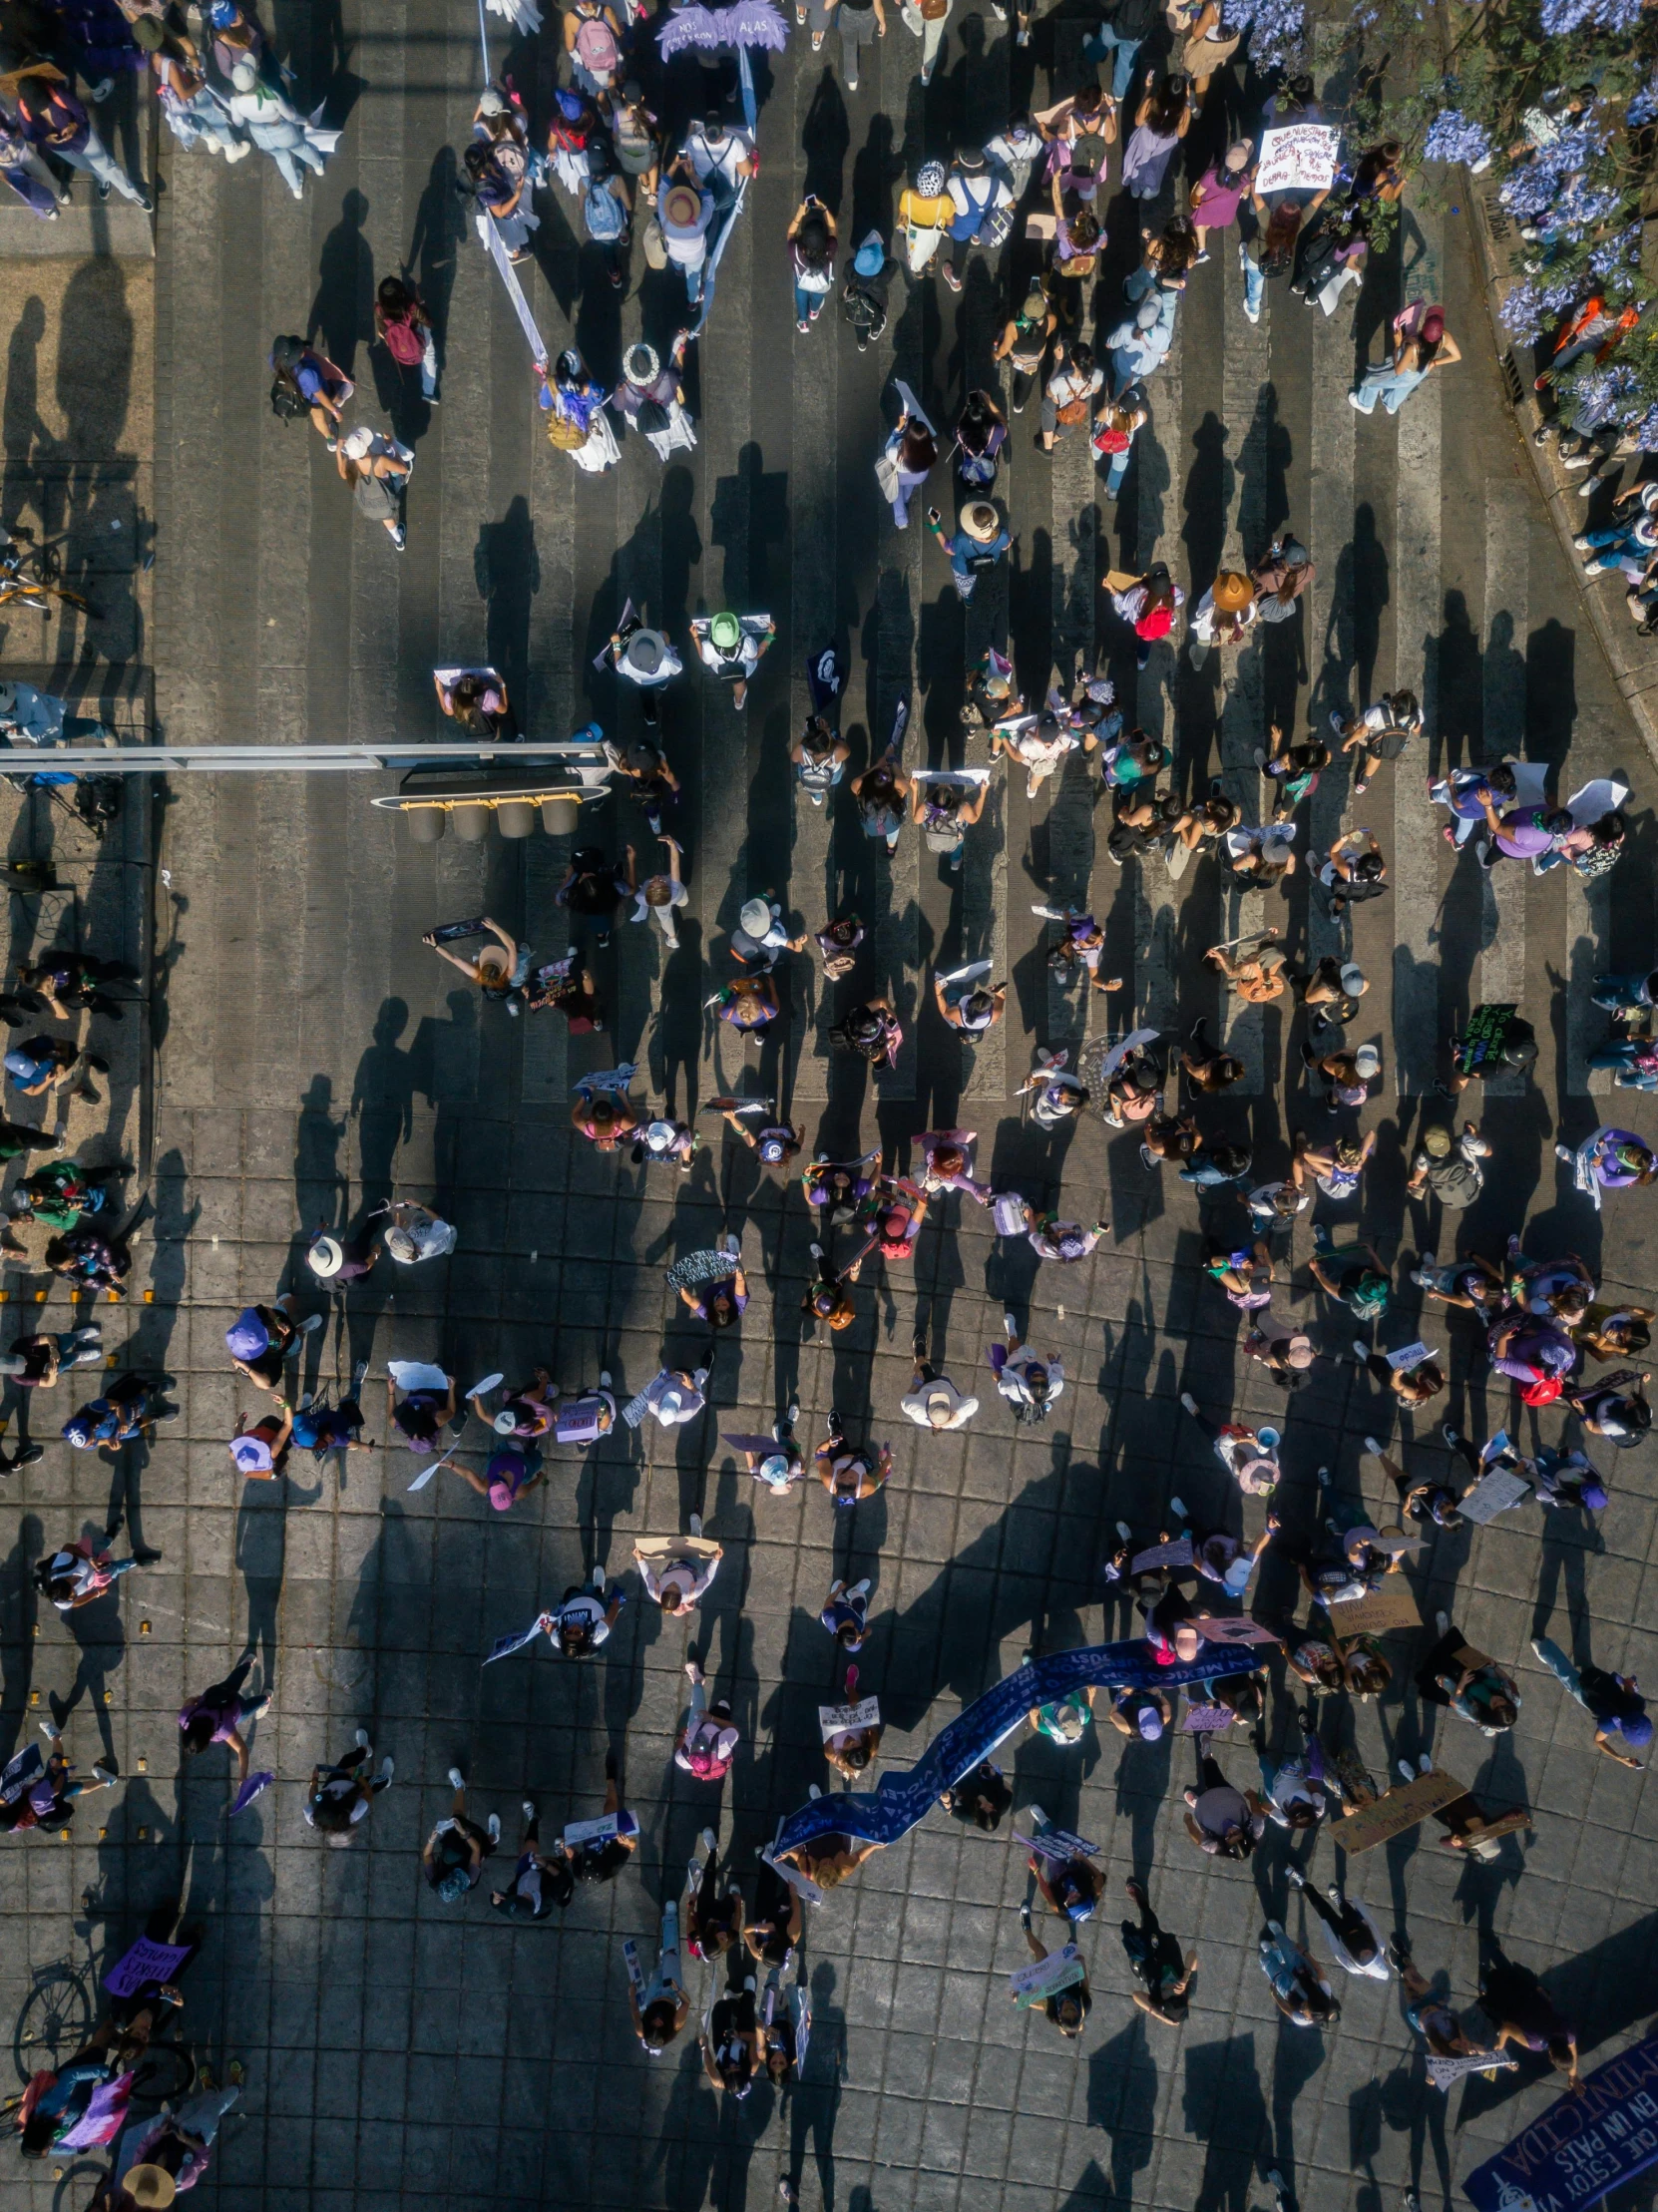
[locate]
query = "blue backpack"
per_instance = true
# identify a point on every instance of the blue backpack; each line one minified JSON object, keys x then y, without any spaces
{"x":604,"y":214}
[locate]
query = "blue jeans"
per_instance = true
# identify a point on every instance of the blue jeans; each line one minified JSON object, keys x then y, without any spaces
{"x":1393,"y":387}
{"x":97,"y":161}
{"x":809,"y":305}
{"x":1561,"y":1668}
{"x":1620,"y":1058}
{"x":1621,"y":994}
{"x":1254,"y":284}
{"x":1106,"y":41}
{"x":1116,"y":472}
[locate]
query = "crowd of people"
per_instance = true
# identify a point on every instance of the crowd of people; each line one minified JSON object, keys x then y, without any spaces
{"x":1213,"y":1657}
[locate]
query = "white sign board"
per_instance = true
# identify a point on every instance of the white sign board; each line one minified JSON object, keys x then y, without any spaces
{"x":833,"y":1720}
{"x":1494,"y":1494}
{"x":1299,"y":158}
{"x":1037,"y":1983}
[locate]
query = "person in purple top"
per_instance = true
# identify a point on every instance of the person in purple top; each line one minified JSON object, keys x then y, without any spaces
{"x":221,"y":1714}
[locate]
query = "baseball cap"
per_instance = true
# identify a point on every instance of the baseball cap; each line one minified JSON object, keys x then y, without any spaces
{"x":1354,"y":980}
{"x":1149,"y":1721}
{"x":1368,"y":1060}
{"x":251,"y":1455}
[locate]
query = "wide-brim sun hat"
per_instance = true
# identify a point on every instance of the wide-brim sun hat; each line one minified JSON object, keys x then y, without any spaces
{"x":681,"y":208}
{"x":980,"y":519}
{"x":726,"y":631}
{"x":1233,"y":591}
{"x":755,"y":916}
{"x":871,"y":256}
{"x":644,"y":650}
{"x":325,"y":1257}
{"x":642,"y":365}
{"x":152,"y":2187}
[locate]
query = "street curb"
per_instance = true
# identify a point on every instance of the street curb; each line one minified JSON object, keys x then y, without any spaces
{"x":1631,"y":661}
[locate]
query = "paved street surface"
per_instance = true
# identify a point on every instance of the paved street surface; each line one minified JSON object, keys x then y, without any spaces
{"x":310,"y":1057}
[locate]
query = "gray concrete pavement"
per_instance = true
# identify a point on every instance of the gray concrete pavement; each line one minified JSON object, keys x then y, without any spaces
{"x":310,"y":1056}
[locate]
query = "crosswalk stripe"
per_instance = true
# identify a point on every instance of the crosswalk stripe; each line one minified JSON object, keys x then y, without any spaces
{"x":1414,"y":862}
{"x":1506,"y":888}
{"x":1244,"y":379}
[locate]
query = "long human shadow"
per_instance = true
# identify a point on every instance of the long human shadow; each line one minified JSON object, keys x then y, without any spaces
{"x":1224,"y":2108}
{"x":1122,"y":2100}
{"x":1603,"y":1992}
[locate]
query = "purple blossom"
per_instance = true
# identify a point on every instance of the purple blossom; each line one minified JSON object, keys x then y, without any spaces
{"x":1619,"y":252}
{"x":1531,"y":191}
{"x":1451,"y":137}
{"x":1530,"y":305}
{"x":1277,"y":28}
{"x":1643,"y":109}
{"x":1560,"y":17}
{"x":1646,"y":431}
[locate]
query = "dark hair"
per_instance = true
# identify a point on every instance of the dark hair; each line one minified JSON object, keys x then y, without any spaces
{"x":657,"y":2022}
{"x":1083,"y":228}
{"x":1081,"y":355}
{"x":1233,"y":1159}
{"x":198,"y":1733}
{"x":918,"y":446}
{"x":856,"y":1755}
{"x":1502,"y":1710}
{"x":812,"y":238}
{"x":1168,"y":101}
{"x":1561,"y":2052}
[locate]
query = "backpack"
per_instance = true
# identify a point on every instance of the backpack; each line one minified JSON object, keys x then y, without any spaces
{"x":288,"y":402}
{"x":595,"y":48}
{"x":604,"y":214}
{"x":405,"y":344}
{"x":1456,"y":1181}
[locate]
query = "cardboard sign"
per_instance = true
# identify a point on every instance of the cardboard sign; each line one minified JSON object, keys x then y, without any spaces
{"x":599,"y":1830}
{"x":1044,"y":1978}
{"x":1207,"y":1721}
{"x":1379,"y":1612}
{"x":1235,"y":1628}
{"x":1057,"y":1843}
{"x":1494,"y":1494}
{"x":1443,"y":2071}
{"x":665,"y":1551}
{"x":1397,"y":1809}
{"x":832,"y":1721}
{"x":146,"y":1962}
{"x":1177,"y":1553}
{"x":1409,"y":1355}
{"x":1298,"y":158}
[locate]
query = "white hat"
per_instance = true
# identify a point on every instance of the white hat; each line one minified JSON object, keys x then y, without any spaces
{"x":489,"y":102}
{"x":755,"y":916}
{"x":325,"y":1256}
{"x":244,"y":77}
{"x":669,"y":1405}
{"x":356,"y":444}
{"x":1354,"y":980}
{"x":401,"y":1245}
{"x":1368,"y":1060}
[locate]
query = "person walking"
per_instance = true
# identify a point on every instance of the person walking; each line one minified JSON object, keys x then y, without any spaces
{"x":1613,"y":1702}
{"x":455,"y":1851}
{"x":1073,"y":379}
{"x":279,"y":129}
{"x":404,"y":328}
{"x":811,"y":242}
{"x":220,"y":1715}
{"x":933,"y":1400}
{"x":58,"y":123}
{"x":338,"y":1797}
{"x":979,"y":544}
{"x":1421,"y":345}
{"x":1156,"y":1963}
{"x":662,"y":2005}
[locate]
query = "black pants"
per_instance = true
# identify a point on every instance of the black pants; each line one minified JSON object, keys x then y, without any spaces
{"x":1153,"y":1954}
{"x":1344,"y":1921}
{"x":1441,"y":1660}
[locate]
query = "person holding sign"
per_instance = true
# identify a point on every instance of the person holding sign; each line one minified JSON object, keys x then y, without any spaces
{"x":1063,"y":1991}
{"x":1476,"y":1688}
{"x":713,"y":1916}
{"x":1069,"y":1881}
{"x":1155,"y":1960}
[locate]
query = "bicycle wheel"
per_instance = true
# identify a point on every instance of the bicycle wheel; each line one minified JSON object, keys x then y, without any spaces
{"x":54,"y":2021}
{"x":163,"y":2074}
{"x":44,"y":564}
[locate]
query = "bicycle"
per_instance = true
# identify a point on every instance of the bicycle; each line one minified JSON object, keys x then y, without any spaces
{"x":33,"y":578}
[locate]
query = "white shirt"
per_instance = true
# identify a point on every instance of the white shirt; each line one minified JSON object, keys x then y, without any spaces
{"x":691,"y":1577}
{"x":430,"y":1236}
{"x":735,"y":148}
{"x":1014,"y":1384}
{"x":941,"y":1390}
{"x":643,"y":910}
{"x":1377,"y":1967}
{"x":1205,"y":621}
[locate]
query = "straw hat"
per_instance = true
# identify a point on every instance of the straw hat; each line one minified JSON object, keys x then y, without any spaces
{"x":1233,"y":593}
{"x":681,"y":208}
{"x":325,"y":1256}
{"x":642,"y":365}
{"x":980,"y":521}
{"x":150,"y":2186}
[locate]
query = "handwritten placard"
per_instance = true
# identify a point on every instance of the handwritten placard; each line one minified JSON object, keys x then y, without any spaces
{"x":1057,"y":1843}
{"x":146,"y":1962}
{"x":600,"y":1829}
{"x":1299,"y":158}
{"x":1206,"y":1720}
{"x":1392,"y":1814}
{"x":1044,"y":1978}
{"x":835,"y":1720}
{"x":1379,"y":1612}
{"x":1443,"y":2071}
{"x":1495,"y":1493}
{"x":1177,"y":1553}
{"x":1408,"y":1355}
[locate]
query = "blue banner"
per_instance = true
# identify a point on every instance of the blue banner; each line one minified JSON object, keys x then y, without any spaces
{"x":1583,"y":2147}
{"x":902,"y":1799}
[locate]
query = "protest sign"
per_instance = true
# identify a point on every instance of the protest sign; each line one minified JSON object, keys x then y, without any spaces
{"x":1206,"y":1720}
{"x":1409,"y":1355}
{"x":1044,"y":1978}
{"x":1177,"y":1553}
{"x":1443,"y":2071}
{"x":1378,"y":1613}
{"x":1233,"y":1628}
{"x":597,"y":1831}
{"x":1583,"y":2147}
{"x":1298,"y":158}
{"x":1057,"y":1843}
{"x":1397,"y":1809}
{"x":146,"y":1962}
{"x":833,"y":1719}
{"x":1494,"y":1494}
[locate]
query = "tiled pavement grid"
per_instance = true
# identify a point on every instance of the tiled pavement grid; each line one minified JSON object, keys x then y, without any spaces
{"x":309,"y":1059}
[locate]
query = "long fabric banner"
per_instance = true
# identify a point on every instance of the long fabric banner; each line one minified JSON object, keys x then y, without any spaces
{"x":1583,"y":2147}
{"x":904,"y":1798}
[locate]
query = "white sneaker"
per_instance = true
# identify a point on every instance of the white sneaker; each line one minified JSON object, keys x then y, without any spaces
{"x":310,"y":1322}
{"x":1178,"y":1505}
{"x":814,"y":1791}
{"x":859,"y":1590}
{"x":1188,"y":1401}
{"x":710,"y":1842}
{"x":1442,"y":1622}
{"x":457,"y":1780}
{"x":1125,"y":1531}
{"x":494,"y":1826}
{"x":604,"y":1377}
{"x":529,"y":1810}
{"x":362,"y":1739}
{"x":1009,"y":1327}
{"x":697,"y":1524}
{"x":599,"y":1580}
{"x":387,"y":1768}
{"x":1372,"y":1447}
